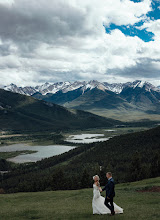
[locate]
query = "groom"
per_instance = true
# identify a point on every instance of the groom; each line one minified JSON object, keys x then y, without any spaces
{"x":110,"y":193}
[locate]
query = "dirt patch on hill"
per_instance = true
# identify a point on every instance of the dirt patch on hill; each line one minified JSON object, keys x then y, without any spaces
{"x":152,"y":189}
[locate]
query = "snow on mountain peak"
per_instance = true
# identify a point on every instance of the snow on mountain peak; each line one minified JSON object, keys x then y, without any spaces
{"x":66,"y":86}
{"x":143,"y":84}
{"x":28,"y":90}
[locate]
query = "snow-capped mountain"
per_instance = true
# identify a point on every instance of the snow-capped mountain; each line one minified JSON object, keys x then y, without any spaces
{"x":97,"y":97}
{"x":55,"y":87}
{"x":65,"y":87}
{"x":68,"y":86}
{"x":143,"y":84}
{"x":27,"y":90}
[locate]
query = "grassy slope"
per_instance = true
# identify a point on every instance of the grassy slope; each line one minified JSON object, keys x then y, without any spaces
{"x":125,"y":115}
{"x":76,"y":204}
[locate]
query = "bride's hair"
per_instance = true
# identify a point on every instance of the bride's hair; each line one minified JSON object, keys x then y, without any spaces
{"x":96,"y":176}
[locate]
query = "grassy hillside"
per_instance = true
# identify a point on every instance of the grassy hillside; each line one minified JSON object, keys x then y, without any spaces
{"x":23,"y":113}
{"x":125,"y":115}
{"x":76,"y":204}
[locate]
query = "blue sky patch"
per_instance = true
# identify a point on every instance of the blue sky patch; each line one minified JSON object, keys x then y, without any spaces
{"x":131,"y":30}
{"x":155,"y":13}
{"x":136,"y":0}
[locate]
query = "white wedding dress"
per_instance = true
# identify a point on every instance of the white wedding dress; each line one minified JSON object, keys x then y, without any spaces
{"x":99,"y":206}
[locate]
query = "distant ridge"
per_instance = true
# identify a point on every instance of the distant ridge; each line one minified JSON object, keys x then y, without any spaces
{"x":71,"y":86}
{"x":24,"y":113}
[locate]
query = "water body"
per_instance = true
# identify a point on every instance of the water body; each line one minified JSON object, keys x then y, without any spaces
{"x":86,"y":138}
{"x":50,"y":150}
{"x":42,"y":152}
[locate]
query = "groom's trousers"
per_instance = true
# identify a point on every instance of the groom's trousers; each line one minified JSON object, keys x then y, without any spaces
{"x":111,"y":206}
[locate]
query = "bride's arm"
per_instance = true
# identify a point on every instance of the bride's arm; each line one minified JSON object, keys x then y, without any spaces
{"x":98,"y":185}
{"x":100,"y":189}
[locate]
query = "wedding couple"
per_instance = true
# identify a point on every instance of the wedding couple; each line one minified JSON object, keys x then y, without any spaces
{"x":103,"y":205}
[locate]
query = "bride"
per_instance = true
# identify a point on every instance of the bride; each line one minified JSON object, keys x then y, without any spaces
{"x":98,"y":200}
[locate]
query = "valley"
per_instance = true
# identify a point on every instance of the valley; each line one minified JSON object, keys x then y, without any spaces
{"x":126,"y":115}
{"x":140,"y":145}
{"x":24,"y":148}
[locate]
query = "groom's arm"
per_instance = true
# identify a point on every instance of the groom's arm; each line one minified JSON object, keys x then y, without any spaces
{"x":104,"y":188}
{"x":111,"y":188}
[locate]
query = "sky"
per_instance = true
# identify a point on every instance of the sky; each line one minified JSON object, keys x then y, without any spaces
{"x":68,"y":40}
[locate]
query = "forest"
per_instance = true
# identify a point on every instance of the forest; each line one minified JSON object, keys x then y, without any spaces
{"x":129,"y":157}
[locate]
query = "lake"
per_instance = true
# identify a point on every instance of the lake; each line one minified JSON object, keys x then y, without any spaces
{"x":49,"y":150}
{"x":86,"y":138}
{"x":42,"y":152}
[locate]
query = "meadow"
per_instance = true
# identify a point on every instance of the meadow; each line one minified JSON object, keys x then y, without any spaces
{"x":77,"y":204}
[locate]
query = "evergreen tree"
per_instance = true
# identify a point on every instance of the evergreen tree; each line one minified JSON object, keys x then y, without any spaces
{"x":155,"y":165}
{"x":135,"y":167}
{"x":85,"y":180}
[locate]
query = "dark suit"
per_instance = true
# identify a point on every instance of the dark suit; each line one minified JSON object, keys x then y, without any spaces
{"x":110,"y":194}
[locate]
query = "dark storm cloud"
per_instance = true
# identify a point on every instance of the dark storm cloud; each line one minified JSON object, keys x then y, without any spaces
{"x":5,"y":49}
{"x":31,"y":24}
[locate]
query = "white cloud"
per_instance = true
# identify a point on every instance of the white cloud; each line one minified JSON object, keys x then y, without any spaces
{"x":66,"y":40}
{"x":126,"y":12}
{"x":7,"y":2}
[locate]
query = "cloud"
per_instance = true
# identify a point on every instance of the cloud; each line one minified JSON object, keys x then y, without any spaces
{"x":6,"y":2}
{"x":66,"y":40}
{"x":152,"y":26}
{"x":145,"y":68}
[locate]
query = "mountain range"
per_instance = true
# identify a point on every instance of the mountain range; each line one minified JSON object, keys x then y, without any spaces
{"x":136,"y":99}
{"x":64,"y":87}
{"x":21,"y":113}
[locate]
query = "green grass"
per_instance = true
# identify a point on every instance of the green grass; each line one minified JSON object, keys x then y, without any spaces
{"x":76,"y":204}
{"x":35,"y":138}
{"x":125,"y":115}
